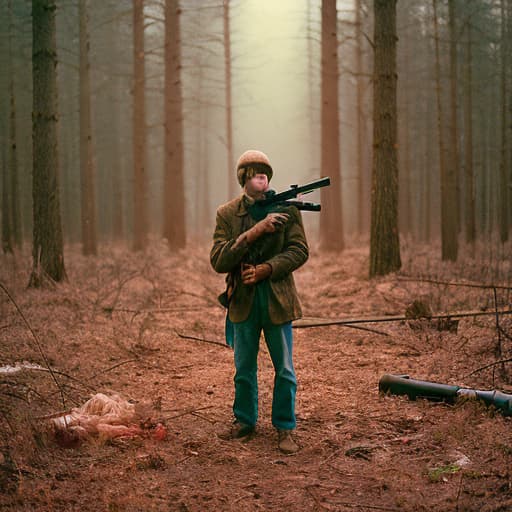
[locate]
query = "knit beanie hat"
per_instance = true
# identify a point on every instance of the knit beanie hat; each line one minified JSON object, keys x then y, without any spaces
{"x":250,"y":163}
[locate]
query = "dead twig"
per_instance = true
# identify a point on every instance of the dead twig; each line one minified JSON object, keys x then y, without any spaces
{"x":27,"y":389}
{"x":63,"y":374}
{"x":490,"y":365}
{"x":224,"y":345}
{"x":331,"y":456}
{"x":112,"y":368}
{"x":94,"y":376}
{"x":187,"y":411}
{"x":116,"y":290}
{"x":244,"y":496}
{"x":183,"y":459}
{"x":203,"y":417}
{"x":498,"y":350}
{"x":210,"y":301}
{"x":315,"y":497}
{"x":53,"y":415}
{"x":364,"y":505}
{"x":38,"y":345}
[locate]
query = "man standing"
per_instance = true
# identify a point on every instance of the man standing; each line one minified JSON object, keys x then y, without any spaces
{"x":259,"y":258}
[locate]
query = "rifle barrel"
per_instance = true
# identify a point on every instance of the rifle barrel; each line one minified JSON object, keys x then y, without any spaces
{"x":294,"y":191}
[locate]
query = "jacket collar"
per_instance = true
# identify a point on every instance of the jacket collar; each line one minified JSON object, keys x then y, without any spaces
{"x":242,"y":206}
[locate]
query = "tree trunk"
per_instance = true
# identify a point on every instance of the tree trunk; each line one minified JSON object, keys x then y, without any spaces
{"x":448,"y":207}
{"x":118,"y":175}
{"x":469,"y":194}
{"x":427,"y":173}
{"x":481,"y":174}
{"x":312,"y":77}
{"x":231,"y":177}
{"x":174,"y":188}
{"x":503,"y":199}
{"x":87,"y":172}
{"x":509,"y":95}
{"x":362,"y":185}
{"x":331,"y":223}
{"x":47,"y":252}
{"x":199,"y":142}
{"x":204,"y":213}
{"x":384,"y":242}
{"x":8,"y":162}
{"x":14,"y":173}
{"x":11,"y":228}
{"x":405,"y":215}
{"x":454,"y":164}
{"x":7,"y":238}
{"x":140,"y":217}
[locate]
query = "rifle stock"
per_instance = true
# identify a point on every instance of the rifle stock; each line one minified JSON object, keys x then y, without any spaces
{"x":404,"y":385}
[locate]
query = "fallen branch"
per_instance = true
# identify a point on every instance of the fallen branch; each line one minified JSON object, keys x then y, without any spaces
{"x":137,"y":312}
{"x":225,"y":345}
{"x":454,"y":283}
{"x":300,"y":324}
{"x":359,"y":327}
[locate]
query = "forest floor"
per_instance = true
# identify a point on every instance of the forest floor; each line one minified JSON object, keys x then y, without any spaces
{"x":135,"y":325}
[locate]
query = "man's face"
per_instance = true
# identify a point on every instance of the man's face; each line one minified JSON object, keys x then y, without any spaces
{"x":256,"y":186}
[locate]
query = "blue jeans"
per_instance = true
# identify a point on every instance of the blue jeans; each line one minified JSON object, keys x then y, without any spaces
{"x":279,"y":341}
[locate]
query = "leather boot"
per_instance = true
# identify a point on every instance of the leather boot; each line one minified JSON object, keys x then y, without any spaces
{"x":237,"y":430}
{"x":286,"y":443}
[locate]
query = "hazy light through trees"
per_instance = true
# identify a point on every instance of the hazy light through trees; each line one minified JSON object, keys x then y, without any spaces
{"x":274,"y":72}
{"x":270,"y":90}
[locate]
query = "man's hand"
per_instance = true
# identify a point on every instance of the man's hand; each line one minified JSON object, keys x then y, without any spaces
{"x":270,"y":224}
{"x":252,"y":274}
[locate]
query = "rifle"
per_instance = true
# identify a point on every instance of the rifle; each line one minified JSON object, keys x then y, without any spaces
{"x":403,"y":385}
{"x":275,"y":202}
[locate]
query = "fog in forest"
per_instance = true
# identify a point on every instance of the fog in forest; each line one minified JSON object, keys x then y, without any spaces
{"x":259,"y":64}
{"x":275,"y":97}
{"x":121,"y":122}
{"x":271,"y":108}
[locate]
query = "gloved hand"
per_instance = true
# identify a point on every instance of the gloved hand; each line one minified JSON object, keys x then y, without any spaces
{"x":253,"y":274}
{"x":270,"y":224}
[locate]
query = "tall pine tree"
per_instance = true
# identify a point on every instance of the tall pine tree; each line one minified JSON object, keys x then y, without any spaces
{"x":47,"y":251}
{"x":384,"y":242}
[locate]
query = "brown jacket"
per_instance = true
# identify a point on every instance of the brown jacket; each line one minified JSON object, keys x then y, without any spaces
{"x":285,"y":250}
